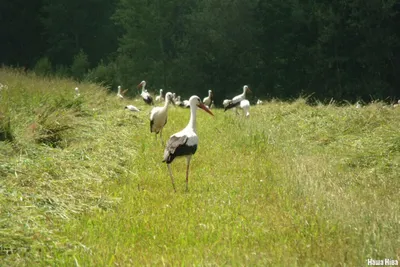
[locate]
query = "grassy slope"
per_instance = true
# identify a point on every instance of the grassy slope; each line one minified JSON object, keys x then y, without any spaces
{"x":293,"y":185}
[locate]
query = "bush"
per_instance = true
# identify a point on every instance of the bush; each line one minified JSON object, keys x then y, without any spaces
{"x":80,"y":65}
{"x":43,"y":67}
{"x":104,"y":74}
{"x":62,"y":71}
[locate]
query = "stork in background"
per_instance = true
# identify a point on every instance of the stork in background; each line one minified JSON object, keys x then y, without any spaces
{"x":147,"y":98}
{"x":77,"y":94}
{"x":236,"y":100}
{"x":132,"y":108}
{"x":245,"y":105}
{"x":184,"y":143}
{"x":159,"y":116}
{"x":160,"y":97}
{"x":209,"y":99}
{"x":120,"y":94}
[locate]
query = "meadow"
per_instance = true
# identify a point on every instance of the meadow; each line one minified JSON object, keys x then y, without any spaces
{"x":82,"y":182}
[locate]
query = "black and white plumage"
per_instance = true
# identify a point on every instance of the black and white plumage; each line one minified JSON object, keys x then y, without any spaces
{"x":132,"y":108}
{"x":185,"y":104}
{"x":236,"y":100}
{"x":159,"y":116}
{"x":184,"y":143}
{"x":160,"y":97}
{"x":209,"y":99}
{"x":225,"y":103}
{"x":147,"y":98}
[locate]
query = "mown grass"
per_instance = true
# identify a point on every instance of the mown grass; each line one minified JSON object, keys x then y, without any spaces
{"x":294,"y":185}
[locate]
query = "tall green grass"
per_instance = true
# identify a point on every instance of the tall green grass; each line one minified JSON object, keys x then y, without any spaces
{"x":83,"y":183}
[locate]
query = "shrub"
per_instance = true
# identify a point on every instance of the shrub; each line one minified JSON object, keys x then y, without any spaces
{"x":80,"y":65}
{"x":43,"y":67}
{"x":103,"y":74}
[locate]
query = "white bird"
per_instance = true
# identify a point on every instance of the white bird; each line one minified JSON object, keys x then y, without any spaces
{"x":236,"y":100}
{"x":159,"y":116}
{"x":209,"y":99}
{"x":132,"y":108}
{"x":259,"y":102}
{"x":120,"y":94}
{"x":245,"y":105}
{"x":186,"y":103}
{"x":177,"y":101}
{"x":160,"y":97}
{"x":225,"y":103}
{"x":396,"y":105}
{"x":358,"y":105}
{"x":77,"y":94}
{"x":145,"y":95}
{"x":184,"y":143}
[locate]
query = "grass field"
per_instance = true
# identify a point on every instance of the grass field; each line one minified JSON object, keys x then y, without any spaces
{"x":82,"y":182}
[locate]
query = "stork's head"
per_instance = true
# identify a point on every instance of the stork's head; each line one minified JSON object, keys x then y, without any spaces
{"x":161,"y":90}
{"x":170,"y":98}
{"x":246,"y":89}
{"x":142,"y":84}
{"x":76,"y":89}
{"x":196,"y":101}
{"x":119,"y":87}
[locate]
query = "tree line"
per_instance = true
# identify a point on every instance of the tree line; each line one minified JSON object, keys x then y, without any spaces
{"x":344,"y":49}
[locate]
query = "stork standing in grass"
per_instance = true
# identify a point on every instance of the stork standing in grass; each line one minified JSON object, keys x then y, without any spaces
{"x":120,"y":94}
{"x":160,"y":97}
{"x":209,"y":99}
{"x":236,"y":100}
{"x":77,"y":94}
{"x":159,"y":116}
{"x":145,"y":95}
{"x":184,"y":143}
{"x":245,"y":105}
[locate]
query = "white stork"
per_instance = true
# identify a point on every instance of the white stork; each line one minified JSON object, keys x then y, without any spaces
{"x":259,"y":102}
{"x":159,"y":116}
{"x":225,"y":103}
{"x":186,"y":104}
{"x":396,"y":105}
{"x":120,"y":94}
{"x":209,"y":99}
{"x":132,"y":108}
{"x":77,"y":94}
{"x":236,"y":100}
{"x":184,"y":143}
{"x":160,"y":97}
{"x":145,"y":95}
{"x":245,"y":105}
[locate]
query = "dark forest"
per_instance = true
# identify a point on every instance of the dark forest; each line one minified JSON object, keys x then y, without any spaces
{"x":342,"y":50}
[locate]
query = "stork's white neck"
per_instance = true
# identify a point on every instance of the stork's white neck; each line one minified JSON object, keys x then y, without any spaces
{"x":244,"y":91}
{"x":119,"y":90}
{"x":143,"y":87}
{"x":192,"y":121}
{"x":166,"y":102}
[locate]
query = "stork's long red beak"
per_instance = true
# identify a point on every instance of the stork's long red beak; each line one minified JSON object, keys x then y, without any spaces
{"x":248,"y":89}
{"x":140,"y":84}
{"x":203,"y":107}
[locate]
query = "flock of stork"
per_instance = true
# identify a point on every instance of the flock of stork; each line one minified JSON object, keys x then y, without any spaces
{"x":183,"y":143}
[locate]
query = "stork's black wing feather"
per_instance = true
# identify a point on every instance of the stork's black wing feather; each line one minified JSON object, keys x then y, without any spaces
{"x":232,"y":105}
